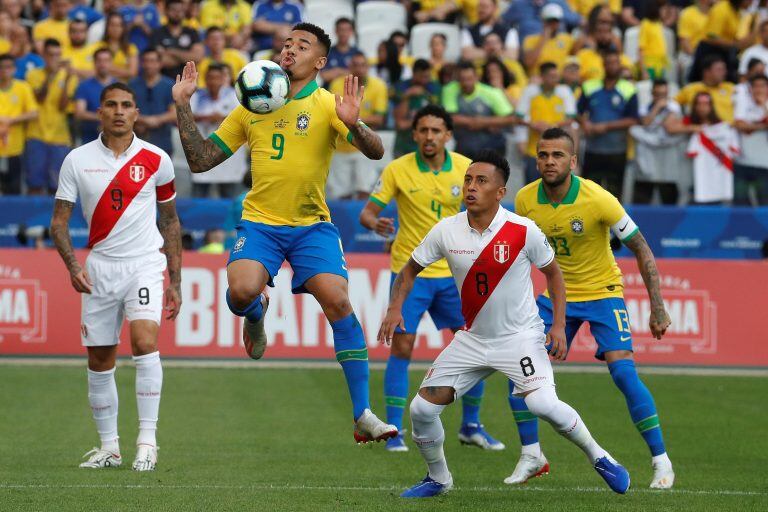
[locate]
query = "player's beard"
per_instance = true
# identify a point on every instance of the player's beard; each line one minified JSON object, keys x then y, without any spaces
{"x":557,"y":181}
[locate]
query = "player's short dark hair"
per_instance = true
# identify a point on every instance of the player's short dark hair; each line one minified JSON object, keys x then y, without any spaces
{"x":439,"y":35}
{"x":7,"y":56}
{"x":147,"y":51}
{"x":558,"y":133}
{"x":435,"y":111}
{"x":116,"y":86}
{"x":212,"y":30}
{"x":421,"y":65}
{"x":103,"y":50}
{"x":358,"y":53}
{"x":758,"y":78}
{"x":710,"y":60}
{"x":753,"y":63}
{"x":610,"y":51}
{"x":319,"y":33}
{"x":465,"y":64}
{"x":546,"y":67}
{"x":658,"y":82}
{"x":344,"y":19}
{"x":490,"y":156}
{"x":170,"y":2}
{"x":77,"y":21}
{"x":217,"y":66}
{"x":51,"y":43}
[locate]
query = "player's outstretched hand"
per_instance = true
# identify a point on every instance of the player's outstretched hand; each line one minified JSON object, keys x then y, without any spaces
{"x":556,"y":341}
{"x":385,"y":226}
{"x":81,"y":281}
{"x":186,"y":84}
{"x":659,"y":322}
{"x":392,"y":320}
{"x":172,"y":302}
{"x":348,"y":106}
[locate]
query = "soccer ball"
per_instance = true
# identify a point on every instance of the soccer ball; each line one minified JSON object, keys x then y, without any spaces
{"x":262,"y":87}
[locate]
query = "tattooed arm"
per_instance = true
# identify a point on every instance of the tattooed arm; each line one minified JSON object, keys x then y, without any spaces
{"x":62,"y":211}
{"x":367,"y":141}
{"x":170,"y":227}
{"x":400,"y":290}
{"x":659,"y":321}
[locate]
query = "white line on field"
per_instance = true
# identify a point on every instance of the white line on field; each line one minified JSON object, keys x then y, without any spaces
{"x":381,"y":488}
{"x":375,"y":365}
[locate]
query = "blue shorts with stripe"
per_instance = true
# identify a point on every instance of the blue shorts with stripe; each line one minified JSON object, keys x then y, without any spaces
{"x":608,"y":321}
{"x":436,"y":295}
{"x":310,"y":250}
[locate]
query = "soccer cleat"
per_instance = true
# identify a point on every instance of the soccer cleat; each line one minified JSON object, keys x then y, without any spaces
{"x":146,"y":458}
{"x":254,"y":335}
{"x":528,"y":467}
{"x":427,"y":488}
{"x":474,"y":434}
{"x":99,"y":459}
{"x":663,"y":476}
{"x":397,"y":443}
{"x":613,"y":473}
{"x":370,"y":428}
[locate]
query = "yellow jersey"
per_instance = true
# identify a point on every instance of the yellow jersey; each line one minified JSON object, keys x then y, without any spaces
{"x":583,"y":7}
{"x":578,"y":230}
{"x":50,"y":28}
{"x":555,"y":50}
{"x":539,"y":106}
{"x":5,"y":45}
{"x":423,"y":198}
{"x":121,"y":56}
{"x":291,"y":150}
{"x":723,"y":21}
{"x":653,"y":44}
{"x":233,"y":59}
{"x":16,"y":100}
{"x":692,"y":25}
{"x":722,"y":98}
{"x":232,"y":19}
{"x":375,"y":101}
{"x":81,"y":59}
{"x":51,"y":126}
{"x":591,"y":64}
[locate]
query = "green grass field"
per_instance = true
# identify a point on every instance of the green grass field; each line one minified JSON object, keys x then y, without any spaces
{"x":272,"y":439}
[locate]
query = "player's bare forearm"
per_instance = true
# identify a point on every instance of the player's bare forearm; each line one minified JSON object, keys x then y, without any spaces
{"x":647,"y":265}
{"x":170,"y":228}
{"x":202,"y":154}
{"x":556,"y":289}
{"x":403,"y":284}
{"x":367,"y":141}
{"x":62,"y":211}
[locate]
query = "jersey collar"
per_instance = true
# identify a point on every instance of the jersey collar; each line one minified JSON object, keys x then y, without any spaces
{"x":569,"y":198}
{"x":498,"y":219}
{"x":128,"y":150}
{"x":305,"y":91}
{"x":423,"y":167}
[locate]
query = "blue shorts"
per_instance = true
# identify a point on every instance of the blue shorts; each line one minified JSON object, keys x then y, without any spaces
{"x":608,"y":321}
{"x":310,"y":250}
{"x":436,"y":295}
{"x":44,"y":163}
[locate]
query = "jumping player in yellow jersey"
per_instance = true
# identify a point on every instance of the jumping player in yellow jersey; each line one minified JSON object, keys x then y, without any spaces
{"x":426,"y":185}
{"x":285,"y":216}
{"x":576,"y":215}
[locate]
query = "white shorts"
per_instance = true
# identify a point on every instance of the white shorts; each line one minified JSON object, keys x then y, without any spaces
{"x":468,"y":360}
{"x":131,"y":289}
{"x":350,"y":173}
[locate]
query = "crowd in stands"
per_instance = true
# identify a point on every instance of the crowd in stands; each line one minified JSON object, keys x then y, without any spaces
{"x":668,"y":99}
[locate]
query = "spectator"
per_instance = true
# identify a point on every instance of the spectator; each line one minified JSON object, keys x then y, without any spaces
{"x":723,"y":22}
{"x":278,"y":41}
{"x":6,"y":32}
{"x":271,"y":15}
{"x":352,"y":175}
{"x":607,"y":109}
{"x":88,"y":95}
{"x":82,"y":11}
{"x":480,"y":113}
{"x":712,"y":150}
{"x":472,"y":37}
{"x":494,"y":48}
{"x":176,"y":43}
{"x":17,"y":107}
{"x":389,"y":67}
{"x":657,"y":150}
{"x":156,"y":107}
{"x":142,"y":19}
{"x":526,"y":15}
{"x":572,"y":76}
{"x":234,"y":16}
{"x":553,"y":44}
{"x":21,"y":50}
{"x":544,"y":106}
{"x":497,"y":75}
{"x":79,"y":53}
{"x":15,"y":9}
{"x":758,"y":51}
{"x":713,"y":82}
{"x":213,"y":242}
{"x":600,"y":39}
{"x":125,"y":55}
{"x":424,"y":11}
{"x":633,"y":12}
{"x":215,"y":43}
{"x":410,"y":96}
{"x":751,"y":120}
{"x":652,"y":46}
{"x":341,"y":53}
{"x":437,"y":44}
{"x":691,"y":29}
{"x":210,"y":105}
{"x":448,"y":73}
{"x":55,"y":26}
{"x":96,"y":29}
{"x":49,"y":139}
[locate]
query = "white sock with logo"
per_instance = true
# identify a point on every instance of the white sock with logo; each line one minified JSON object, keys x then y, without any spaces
{"x":149,"y":383}
{"x":428,"y":434}
{"x":102,"y":396}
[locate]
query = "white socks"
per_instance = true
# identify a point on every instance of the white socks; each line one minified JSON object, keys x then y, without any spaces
{"x":102,"y":395}
{"x":428,"y":434}
{"x":534,"y":450}
{"x":544,"y":403}
{"x":149,"y":382}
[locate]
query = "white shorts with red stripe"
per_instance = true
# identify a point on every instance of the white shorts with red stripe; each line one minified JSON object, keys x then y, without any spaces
{"x":122,"y":289}
{"x":468,"y":360}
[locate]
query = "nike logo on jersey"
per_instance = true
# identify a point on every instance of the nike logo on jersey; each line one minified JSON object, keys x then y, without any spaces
{"x":624,"y":227}
{"x":254,"y":121}
{"x":413,"y":190}
{"x":625,"y":338}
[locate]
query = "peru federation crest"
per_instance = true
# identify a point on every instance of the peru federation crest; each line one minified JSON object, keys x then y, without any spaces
{"x":136,"y":172}
{"x":501,"y":252}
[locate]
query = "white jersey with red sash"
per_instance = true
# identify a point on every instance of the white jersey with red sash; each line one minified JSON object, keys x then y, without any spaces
{"x":713,"y":150}
{"x":119,"y":195}
{"x":492,"y":270}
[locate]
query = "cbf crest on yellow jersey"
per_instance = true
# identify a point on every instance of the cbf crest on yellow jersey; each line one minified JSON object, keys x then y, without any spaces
{"x":291,"y":152}
{"x":423,"y":198}
{"x":578,"y":231}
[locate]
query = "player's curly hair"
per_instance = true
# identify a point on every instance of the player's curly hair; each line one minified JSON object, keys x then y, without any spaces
{"x":490,"y":156}
{"x":435,"y":111}
{"x":319,"y":33}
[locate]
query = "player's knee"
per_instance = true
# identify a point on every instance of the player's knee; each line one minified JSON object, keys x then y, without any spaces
{"x":402,"y":345}
{"x":423,"y":411}
{"x":241,"y":294}
{"x":337,"y":308}
{"x":541,"y":402}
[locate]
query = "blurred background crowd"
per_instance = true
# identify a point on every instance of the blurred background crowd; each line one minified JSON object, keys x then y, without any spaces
{"x":667,"y":98}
